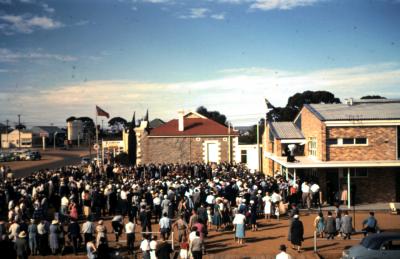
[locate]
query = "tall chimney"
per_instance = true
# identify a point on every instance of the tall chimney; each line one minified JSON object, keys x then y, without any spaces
{"x":181,"y":123}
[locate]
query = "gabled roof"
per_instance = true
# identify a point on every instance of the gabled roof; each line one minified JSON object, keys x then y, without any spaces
{"x":193,"y":127}
{"x":47,"y":129}
{"x":369,"y":110}
{"x":286,"y":130}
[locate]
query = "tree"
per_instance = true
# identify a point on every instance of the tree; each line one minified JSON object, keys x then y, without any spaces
{"x":295,"y":104}
{"x":72,"y":118}
{"x":88,"y":125}
{"x":213,"y":115}
{"x":20,"y":126}
{"x":118,"y":122}
{"x":132,"y":142}
{"x":368,"y":97}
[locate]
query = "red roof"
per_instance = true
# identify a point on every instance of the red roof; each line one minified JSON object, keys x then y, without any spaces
{"x":193,"y":127}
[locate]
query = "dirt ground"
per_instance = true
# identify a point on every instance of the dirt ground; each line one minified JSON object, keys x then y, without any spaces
{"x":264,"y":243}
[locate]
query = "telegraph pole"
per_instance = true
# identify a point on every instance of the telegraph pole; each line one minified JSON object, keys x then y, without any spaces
{"x":19,"y":131}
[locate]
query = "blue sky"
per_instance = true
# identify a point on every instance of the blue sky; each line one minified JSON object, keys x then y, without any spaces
{"x":60,"y":58}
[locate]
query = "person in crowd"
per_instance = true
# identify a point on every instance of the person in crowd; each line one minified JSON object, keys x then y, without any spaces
{"x":153,"y":247}
{"x":319,"y":225}
{"x":267,"y":206}
{"x":33,"y":237}
{"x":282,"y":254}
{"x":315,"y":194}
{"x":164,"y":249}
{"x":330,"y":227}
{"x":240,"y":225}
{"x":21,"y":246}
{"x":184,"y":248}
{"x":103,"y":250}
{"x":145,"y":247}
{"x":165,"y":226}
{"x":196,"y":246}
{"x":346,"y":225}
{"x":74,"y":235}
{"x":117,"y":224}
{"x":182,"y":227}
{"x":54,"y":234}
{"x":253,"y":216}
{"x":88,"y":230}
{"x":91,"y":250}
{"x":296,"y":233}
{"x":305,"y":196}
{"x":101,"y":231}
{"x":130,"y":235}
{"x":370,"y":224}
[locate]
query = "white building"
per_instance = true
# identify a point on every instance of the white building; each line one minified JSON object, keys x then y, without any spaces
{"x":248,"y":155}
{"x":74,"y":130}
{"x":12,"y":139}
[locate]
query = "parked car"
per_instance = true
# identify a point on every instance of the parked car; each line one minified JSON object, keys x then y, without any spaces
{"x":381,"y":245}
{"x":5,"y":157}
{"x":85,"y":161}
{"x":33,"y":155}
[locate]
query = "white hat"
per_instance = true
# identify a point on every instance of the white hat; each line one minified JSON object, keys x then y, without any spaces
{"x":251,"y":201}
{"x":296,"y":216}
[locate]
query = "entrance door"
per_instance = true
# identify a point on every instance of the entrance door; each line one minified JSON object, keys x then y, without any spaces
{"x":332,"y":185}
{"x":212,"y":152}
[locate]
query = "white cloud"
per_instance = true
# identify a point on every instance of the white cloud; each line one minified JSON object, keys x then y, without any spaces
{"x":267,"y":5}
{"x":220,"y":16}
{"x":47,"y":8}
{"x":195,"y":13}
{"x":239,"y":93}
{"x":9,"y":56}
{"x":26,"y":23}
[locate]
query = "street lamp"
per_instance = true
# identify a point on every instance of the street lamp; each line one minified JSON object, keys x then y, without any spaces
{"x":54,"y":140}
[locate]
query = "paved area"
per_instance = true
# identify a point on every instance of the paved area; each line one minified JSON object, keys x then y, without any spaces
{"x":51,"y":159}
{"x":264,"y":243}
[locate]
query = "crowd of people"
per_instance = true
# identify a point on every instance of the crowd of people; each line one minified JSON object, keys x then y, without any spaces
{"x":63,"y":211}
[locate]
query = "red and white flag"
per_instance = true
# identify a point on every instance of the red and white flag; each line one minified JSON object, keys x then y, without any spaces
{"x":101,"y":112}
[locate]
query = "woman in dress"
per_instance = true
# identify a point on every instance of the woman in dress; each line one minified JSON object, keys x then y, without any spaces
{"x":54,"y":235}
{"x":267,"y":206}
{"x":296,"y":233}
{"x":217,"y":217}
{"x":253,"y":215}
{"x":319,"y":225}
{"x":240,"y":224}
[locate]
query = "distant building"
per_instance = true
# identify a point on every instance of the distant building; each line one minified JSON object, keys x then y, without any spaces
{"x":247,"y":154}
{"x":190,"y":138}
{"x":74,"y":130}
{"x":17,"y":139}
{"x":354,"y":145}
{"x":50,"y":133}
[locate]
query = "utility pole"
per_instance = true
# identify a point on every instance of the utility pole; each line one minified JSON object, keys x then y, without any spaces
{"x":19,"y":131}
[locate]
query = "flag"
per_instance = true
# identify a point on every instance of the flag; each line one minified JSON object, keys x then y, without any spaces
{"x":101,"y":112}
{"x":269,"y":105}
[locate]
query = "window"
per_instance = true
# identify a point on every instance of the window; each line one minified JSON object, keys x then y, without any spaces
{"x":351,"y":141}
{"x":332,"y":141}
{"x":361,"y":141}
{"x":359,"y":172}
{"x":348,"y":141}
{"x":312,"y":146}
{"x":391,"y":245}
{"x":243,"y":156}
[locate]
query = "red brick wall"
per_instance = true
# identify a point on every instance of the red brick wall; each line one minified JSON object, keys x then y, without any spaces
{"x":381,"y":143}
{"x":311,"y":126}
{"x":178,"y":149}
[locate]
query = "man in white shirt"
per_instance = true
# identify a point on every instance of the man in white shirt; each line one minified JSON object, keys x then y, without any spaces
{"x":283,"y":254}
{"x":130,"y":235}
{"x":315,"y":194}
{"x":88,"y":229}
{"x":305,"y":197}
{"x":145,"y":247}
{"x":165,"y":226}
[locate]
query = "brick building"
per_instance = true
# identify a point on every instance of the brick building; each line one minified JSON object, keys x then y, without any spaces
{"x":344,"y":146}
{"x":190,"y":138}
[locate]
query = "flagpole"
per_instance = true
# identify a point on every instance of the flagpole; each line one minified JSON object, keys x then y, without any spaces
{"x":97,"y":141}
